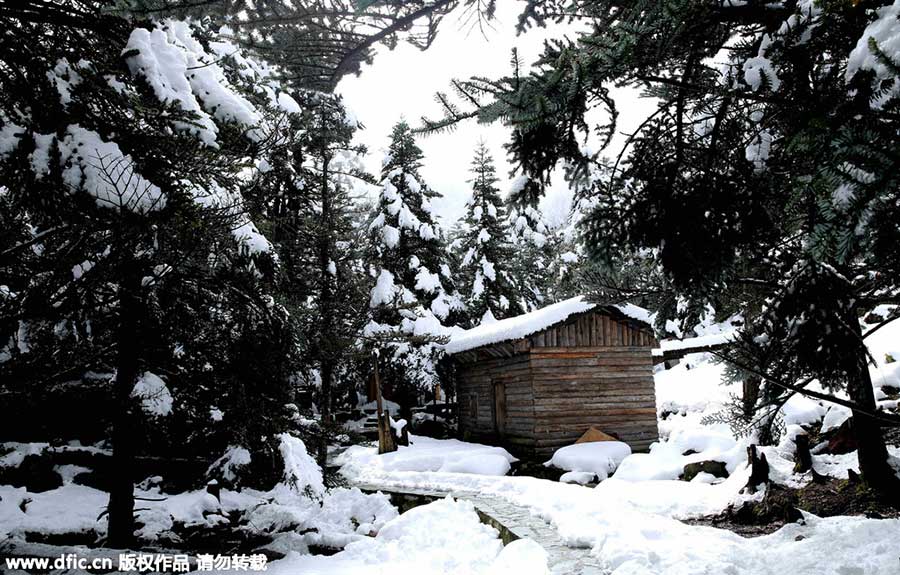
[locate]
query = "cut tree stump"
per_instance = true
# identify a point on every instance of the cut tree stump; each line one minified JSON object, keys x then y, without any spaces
{"x":759,"y":470}
{"x":802,"y":457}
{"x":404,"y":437}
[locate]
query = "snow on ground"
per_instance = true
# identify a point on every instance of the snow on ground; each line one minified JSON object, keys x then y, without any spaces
{"x":631,"y":520}
{"x":443,"y":537}
{"x":441,"y":455}
{"x":70,"y":508}
{"x":631,"y":526}
{"x":332,"y":518}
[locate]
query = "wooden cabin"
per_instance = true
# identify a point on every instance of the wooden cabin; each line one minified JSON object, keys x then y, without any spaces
{"x":537,"y":382}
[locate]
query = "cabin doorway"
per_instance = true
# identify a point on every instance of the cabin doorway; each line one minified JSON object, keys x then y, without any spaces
{"x":499,"y":406}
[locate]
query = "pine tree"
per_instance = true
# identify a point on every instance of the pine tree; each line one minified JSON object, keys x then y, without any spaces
{"x":413,"y":292}
{"x":487,"y":253}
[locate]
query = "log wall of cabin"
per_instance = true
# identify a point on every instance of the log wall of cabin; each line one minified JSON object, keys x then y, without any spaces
{"x":610,"y":388}
{"x":475,"y":396}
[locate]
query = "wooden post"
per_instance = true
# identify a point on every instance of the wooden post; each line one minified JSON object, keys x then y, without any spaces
{"x":387,"y":433}
{"x":386,"y":442}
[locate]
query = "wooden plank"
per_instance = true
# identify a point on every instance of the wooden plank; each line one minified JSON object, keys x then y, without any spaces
{"x":551,"y":375}
{"x":585,"y":391}
{"x":592,"y":363}
{"x":608,"y":425}
{"x":573,"y":432}
{"x":592,"y":402}
{"x":644,"y":438}
{"x":622,"y":429}
{"x":623,"y":417}
{"x":588,"y":405}
{"x":586,"y":353}
{"x":607,"y":349}
{"x":607,"y":413}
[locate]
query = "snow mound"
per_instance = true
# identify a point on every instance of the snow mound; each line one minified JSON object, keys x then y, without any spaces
{"x":666,"y":460}
{"x":599,"y":457}
{"x":105,"y":172}
{"x":801,"y":410}
{"x":427,"y":454}
{"x":577,"y":477}
{"x":443,"y":537}
{"x":488,"y":464}
{"x":526,"y":324}
{"x":179,"y":70}
{"x":521,"y":557}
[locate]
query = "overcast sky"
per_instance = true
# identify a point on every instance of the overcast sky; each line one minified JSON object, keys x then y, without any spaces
{"x":402,"y":84}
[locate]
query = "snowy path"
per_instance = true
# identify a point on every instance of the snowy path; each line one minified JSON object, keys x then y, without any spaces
{"x":626,"y":527}
{"x":519,"y":521}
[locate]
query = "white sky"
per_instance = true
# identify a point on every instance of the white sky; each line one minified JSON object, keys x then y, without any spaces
{"x":403,"y":82}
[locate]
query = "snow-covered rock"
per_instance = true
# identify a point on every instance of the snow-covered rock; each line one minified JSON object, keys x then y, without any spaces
{"x":598,"y":457}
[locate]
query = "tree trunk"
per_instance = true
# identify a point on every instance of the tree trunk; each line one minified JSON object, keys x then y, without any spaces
{"x":871,"y":452}
{"x":121,"y":491}
{"x":326,"y":372}
{"x":326,"y":310}
{"x":751,"y":385}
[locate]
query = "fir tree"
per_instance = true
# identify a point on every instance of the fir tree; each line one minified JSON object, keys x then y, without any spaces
{"x":315,"y":42}
{"x":413,"y":292}
{"x":530,"y":237}
{"x":487,"y":253}
{"x":306,"y":200}
{"x":134,"y":256}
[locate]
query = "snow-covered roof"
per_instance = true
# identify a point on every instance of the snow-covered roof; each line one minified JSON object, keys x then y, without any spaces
{"x":514,"y":328}
{"x":708,"y":340}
